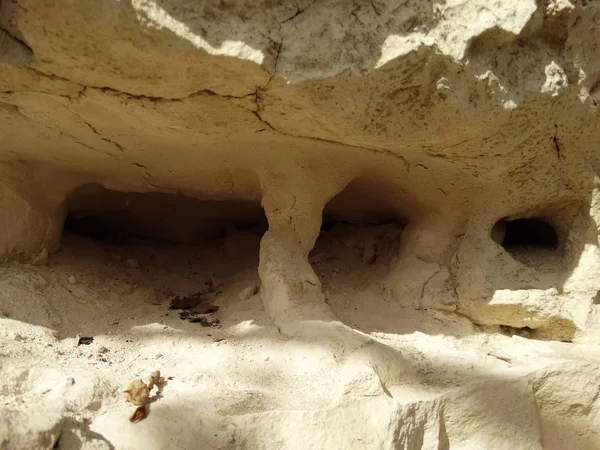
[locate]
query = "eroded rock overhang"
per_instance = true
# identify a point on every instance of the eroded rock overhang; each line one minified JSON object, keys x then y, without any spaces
{"x":474,"y":125}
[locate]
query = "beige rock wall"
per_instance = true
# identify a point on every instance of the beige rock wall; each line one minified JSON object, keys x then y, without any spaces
{"x":447,"y":117}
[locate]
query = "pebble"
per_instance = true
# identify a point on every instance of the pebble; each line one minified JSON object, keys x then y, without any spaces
{"x":72,"y":279}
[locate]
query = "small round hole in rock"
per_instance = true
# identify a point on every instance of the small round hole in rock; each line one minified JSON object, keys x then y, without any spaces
{"x":525,"y":233}
{"x":531,"y":241}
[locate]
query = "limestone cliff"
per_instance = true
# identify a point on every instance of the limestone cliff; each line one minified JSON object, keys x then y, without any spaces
{"x":471,"y":126}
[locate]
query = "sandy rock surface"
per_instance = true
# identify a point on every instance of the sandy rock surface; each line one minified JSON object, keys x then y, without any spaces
{"x":327,"y":224}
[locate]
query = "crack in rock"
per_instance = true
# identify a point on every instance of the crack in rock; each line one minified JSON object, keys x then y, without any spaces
{"x":557,"y":145}
{"x":110,"y":141}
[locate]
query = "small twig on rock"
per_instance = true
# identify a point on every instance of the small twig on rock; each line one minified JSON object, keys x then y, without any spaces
{"x":501,"y":356}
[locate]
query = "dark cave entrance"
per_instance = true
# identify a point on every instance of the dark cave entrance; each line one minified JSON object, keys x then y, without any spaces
{"x":525,"y":233}
{"x":116,"y":216}
{"x":360,"y":231}
{"x":531,"y":241}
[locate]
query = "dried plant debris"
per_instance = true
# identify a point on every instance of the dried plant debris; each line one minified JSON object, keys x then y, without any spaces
{"x":197,"y":307}
{"x":138,"y":414}
{"x":210,"y":291}
{"x":206,"y":320}
{"x":85,"y":341}
{"x":196,"y":302}
{"x":186,"y":302}
{"x":156,"y":380}
{"x":502,"y":356}
{"x":138,"y":393}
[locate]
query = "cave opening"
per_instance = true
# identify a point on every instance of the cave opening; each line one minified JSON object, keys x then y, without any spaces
{"x":531,"y":241}
{"x":360,"y":233}
{"x":163,"y":257}
{"x":117,"y":216}
{"x":533,"y":232}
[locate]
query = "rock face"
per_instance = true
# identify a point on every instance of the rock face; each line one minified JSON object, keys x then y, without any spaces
{"x":472,"y":126}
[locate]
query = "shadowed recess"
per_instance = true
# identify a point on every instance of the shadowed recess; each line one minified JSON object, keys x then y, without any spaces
{"x":173,"y":218}
{"x":520,"y":233}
